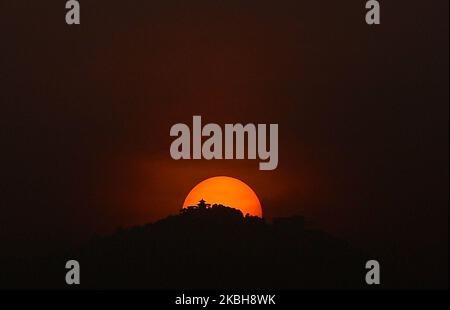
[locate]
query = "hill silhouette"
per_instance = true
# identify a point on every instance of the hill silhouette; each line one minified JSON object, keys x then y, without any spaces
{"x":211,"y":247}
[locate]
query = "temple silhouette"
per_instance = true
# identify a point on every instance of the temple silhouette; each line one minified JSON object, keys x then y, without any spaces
{"x":201,"y":205}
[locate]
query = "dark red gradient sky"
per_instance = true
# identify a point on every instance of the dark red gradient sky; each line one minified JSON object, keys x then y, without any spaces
{"x":362,"y":114}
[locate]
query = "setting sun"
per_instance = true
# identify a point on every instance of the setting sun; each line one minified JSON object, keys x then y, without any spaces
{"x":227,"y":191}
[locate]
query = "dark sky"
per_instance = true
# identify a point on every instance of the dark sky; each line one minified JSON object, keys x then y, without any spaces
{"x":362,"y":113}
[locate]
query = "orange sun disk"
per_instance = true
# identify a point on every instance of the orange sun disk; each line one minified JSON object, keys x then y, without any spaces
{"x":227,"y":191}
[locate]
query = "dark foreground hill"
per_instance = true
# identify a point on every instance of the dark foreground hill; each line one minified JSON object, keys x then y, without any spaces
{"x":209,"y":248}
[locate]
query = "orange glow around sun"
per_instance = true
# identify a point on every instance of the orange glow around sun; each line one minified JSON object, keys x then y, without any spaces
{"x":227,"y":191}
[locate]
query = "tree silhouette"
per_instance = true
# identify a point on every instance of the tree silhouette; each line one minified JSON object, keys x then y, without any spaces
{"x":208,"y":247}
